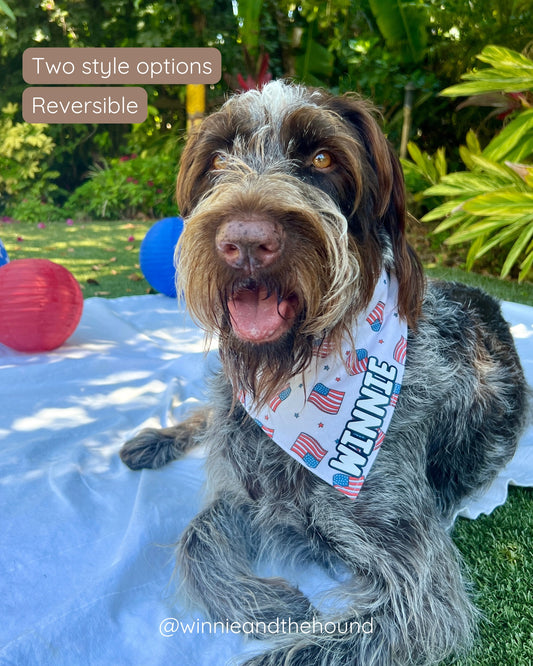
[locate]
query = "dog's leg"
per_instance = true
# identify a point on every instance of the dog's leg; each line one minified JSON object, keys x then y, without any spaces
{"x":214,"y":558}
{"x":405,"y":602}
{"x":397,"y":614}
{"x":153,"y":447}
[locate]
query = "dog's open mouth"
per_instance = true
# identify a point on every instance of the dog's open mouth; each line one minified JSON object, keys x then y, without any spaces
{"x":260,"y":316}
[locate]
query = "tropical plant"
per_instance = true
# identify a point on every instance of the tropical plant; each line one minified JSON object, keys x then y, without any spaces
{"x":423,"y":170}
{"x":491,"y":204}
{"x":509,"y":72}
{"x":4,"y":9}
{"x":404,"y":26}
{"x":249,"y":25}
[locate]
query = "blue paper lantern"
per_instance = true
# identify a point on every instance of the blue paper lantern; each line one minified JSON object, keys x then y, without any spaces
{"x":156,"y":254}
{"x":3,"y":254}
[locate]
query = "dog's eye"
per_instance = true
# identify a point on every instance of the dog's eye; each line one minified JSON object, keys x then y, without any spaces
{"x":219,"y":162}
{"x":323,"y":160}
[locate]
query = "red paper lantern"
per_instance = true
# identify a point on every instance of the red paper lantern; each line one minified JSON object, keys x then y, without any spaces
{"x":40,"y":305}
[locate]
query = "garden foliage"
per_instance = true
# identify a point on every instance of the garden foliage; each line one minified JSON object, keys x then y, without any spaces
{"x":491,"y":203}
{"x":127,"y":187}
{"x":24,"y":155}
{"x":373,"y":47}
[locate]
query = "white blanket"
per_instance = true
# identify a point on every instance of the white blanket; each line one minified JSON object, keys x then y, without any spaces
{"x":85,"y":557}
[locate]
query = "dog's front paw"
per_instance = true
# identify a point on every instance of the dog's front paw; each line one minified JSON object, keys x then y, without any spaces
{"x":151,"y":448}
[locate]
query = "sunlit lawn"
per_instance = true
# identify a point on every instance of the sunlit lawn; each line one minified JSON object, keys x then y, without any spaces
{"x":103,"y":256}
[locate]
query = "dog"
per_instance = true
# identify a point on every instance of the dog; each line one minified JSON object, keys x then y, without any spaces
{"x":293,"y":252}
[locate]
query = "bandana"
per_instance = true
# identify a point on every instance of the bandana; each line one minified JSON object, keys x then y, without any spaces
{"x":332,"y":418}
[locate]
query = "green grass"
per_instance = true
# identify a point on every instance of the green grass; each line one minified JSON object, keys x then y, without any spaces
{"x":506,"y":290}
{"x":104,"y":257}
{"x":497,"y":550}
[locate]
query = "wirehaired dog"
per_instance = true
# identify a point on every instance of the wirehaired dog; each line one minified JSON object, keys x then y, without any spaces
{"x":294,"y":255}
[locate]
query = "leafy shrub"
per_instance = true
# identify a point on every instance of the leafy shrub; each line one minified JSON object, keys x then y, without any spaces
{"x":24,"y":151}
{"x":33,"y":209}
{"x":126,"y":187}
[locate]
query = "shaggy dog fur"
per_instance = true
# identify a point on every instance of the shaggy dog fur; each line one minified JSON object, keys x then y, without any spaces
{"x":296,"y":195}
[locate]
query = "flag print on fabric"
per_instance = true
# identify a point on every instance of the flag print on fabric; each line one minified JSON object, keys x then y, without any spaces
{"x":375,"y":318}
{"x":400,"y":351}
{"x":323,"y":348}
{"x":379,"y":439}
{"x":356,"y":363}
{"x":349,"y":485}
{"x":344,"y":396}
{"x":395,"y":394}
{"x":308,"y":449}
{"x":326,"y":399}
{"x":277,"y":400}
{"x":268,"y":431}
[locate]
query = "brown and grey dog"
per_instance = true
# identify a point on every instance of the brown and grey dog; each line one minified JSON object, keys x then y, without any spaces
{"x":294,"y":204}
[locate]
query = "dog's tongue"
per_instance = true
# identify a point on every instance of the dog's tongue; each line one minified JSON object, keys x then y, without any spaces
{"x":257,"y":317}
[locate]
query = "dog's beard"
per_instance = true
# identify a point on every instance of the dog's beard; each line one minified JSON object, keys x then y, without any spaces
{"x":268,"y":318}
{"x":261,"y":370}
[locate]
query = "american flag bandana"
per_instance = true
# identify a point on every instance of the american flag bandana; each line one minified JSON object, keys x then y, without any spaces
{"x":333,"y":417}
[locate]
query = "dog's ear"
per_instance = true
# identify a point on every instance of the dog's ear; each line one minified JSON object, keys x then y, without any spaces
{"x":383,"y":204}
{"x":212,"y":136}
{"x":409,"y":269}
{"x":188,"y":175}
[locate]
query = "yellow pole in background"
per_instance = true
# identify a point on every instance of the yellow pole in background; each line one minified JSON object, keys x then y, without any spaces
{"x":195,"y":104}
{"x":407,"y":108}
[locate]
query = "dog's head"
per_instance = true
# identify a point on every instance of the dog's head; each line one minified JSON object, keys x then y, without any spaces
{"x":293,"y":202}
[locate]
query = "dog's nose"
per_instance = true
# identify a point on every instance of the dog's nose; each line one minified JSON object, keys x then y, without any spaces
{"x":249,"y":244}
